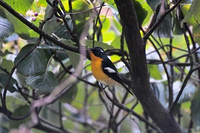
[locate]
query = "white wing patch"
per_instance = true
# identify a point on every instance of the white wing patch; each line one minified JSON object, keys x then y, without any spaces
{"x":101,"y":50}
{"x":110,"y":70}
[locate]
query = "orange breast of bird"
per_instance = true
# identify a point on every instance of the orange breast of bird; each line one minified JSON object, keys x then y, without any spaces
{"x":98,"y":72}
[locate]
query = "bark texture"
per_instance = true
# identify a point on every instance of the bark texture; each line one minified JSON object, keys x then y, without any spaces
{"x":140,"y":77}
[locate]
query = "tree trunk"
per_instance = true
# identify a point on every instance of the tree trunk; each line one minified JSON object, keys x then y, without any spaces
{"x":140,"y":77}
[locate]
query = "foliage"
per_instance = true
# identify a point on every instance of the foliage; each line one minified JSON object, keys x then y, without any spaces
{"x":33,"y":67}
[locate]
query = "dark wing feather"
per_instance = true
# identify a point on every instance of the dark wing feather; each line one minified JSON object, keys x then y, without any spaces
{"x":106,"y":63}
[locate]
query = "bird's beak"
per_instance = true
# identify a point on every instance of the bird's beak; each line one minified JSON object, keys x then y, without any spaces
{"x":88,"y":53}
{"x":89,"y":50}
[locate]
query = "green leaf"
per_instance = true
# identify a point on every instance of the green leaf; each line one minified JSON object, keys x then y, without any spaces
{"x":194,"y":12}
{"x":110,"y":2}
{"x":89,"y":43}
{"x":195,"y":108}
{"x":48,"y":28}
{"x":196,"y":32}
{"x":179,"y":43}
{"x":20,"y":28}
{"x":116,"y":43}
{"x":164,"y":30}
{"x":81,"y":5}
{"x":138,"y":109}
{"x":117,"y":25}
{"x":19,"y":112}
{"x":154,"y":72}
{"x":43,"y":83}
{"x":69,"y":95}
{"x":79,"y":96}
{"x":20,"y":6}
{"x":3,"y":82}
{"x":108,"y":36}
{"x":95,"y":111}
{"x":141,"y":12}
{"x":6,"y":28}
{"x":66,"y":5}
{"x":58,"y":27}
{"x":153,"y":4}
{"x":62,"y":55}
{"x":7,"y":64}
{"x":80,"y":27}
{"x":149,"y":12}
{"x":60,"y":52}
{"x":21,"y":79}
{"x":74,"y":58}
{"x":42,"y":3}
{"x":105,"y":23}
{"x":14,"y":101}
{"x":177,"y":27}
{"x":60,"y":31}
{"x":186,"y":105}
{"x":185,"y":9}
{"x":34,"y":63}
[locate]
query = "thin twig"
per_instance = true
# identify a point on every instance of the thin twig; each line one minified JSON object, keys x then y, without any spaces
{"x":132,"y":112}
{"x":95,"y":25}
{"x":10,"y":76}
{"x":160,"y":20}
{"x":127,"y":113}
{"x":36,"y":29}
{"x":182,"y":88}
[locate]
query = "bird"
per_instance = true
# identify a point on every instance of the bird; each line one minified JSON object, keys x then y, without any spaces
{"x":104,"y":70}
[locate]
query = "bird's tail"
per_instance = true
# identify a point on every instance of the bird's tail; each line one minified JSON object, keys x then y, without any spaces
{"x":125,"y":82}
{"x":127,"y":89}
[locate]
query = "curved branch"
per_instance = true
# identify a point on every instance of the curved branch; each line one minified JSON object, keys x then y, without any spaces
{"x":121,"y":106}
{"x":35,"y":28}
{"x":182,"y":88}
{"x":8,"y":81}
{"x":160,"y":20}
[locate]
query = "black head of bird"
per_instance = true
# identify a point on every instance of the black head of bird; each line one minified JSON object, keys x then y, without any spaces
{"x":99,"y":52}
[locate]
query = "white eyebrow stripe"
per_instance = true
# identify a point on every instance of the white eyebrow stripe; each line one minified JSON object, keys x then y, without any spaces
{"x":110,"y":70}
